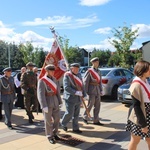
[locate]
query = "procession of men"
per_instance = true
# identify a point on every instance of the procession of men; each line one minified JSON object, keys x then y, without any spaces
{"x":45,"y":92}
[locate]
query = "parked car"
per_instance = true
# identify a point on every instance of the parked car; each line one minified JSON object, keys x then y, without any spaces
{"x":112,"y":78}
{"x":83,"y":69}
{"x":14,"y":73}
{"x":124,"y":93}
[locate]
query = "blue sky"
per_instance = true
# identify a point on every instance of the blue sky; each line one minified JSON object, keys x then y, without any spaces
{"x":86,"y":23}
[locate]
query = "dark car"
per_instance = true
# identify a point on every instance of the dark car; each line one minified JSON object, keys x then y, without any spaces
{"x":124,"y":93}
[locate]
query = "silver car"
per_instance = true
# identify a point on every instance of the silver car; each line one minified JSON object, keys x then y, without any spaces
{"x":112,"y":78}
{"x":124,"y":93}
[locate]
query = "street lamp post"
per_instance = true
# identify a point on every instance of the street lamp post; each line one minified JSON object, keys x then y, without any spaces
{"x":9,"y":55}
{"x":88,"y":58}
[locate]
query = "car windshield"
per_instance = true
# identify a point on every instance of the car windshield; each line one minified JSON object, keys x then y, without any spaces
{"x":130,"y":80}
{"x":83,"y":69}
{"x":13,"y":74}
{"x":104,"y":72}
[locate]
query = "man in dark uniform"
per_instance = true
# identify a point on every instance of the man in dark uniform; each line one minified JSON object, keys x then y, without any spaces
{"x":29,"y":85}
{"x":73,"y":90}
{"x":93,"y":86}
{"x":7,"y":94}
{"x":48,"y":93}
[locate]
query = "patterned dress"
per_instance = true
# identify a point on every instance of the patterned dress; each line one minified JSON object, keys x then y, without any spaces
{"x":134,"y":128}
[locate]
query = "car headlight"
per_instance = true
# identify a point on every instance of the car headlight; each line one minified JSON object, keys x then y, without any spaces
{"x":127,"y":92}
{"x":120,"y":90}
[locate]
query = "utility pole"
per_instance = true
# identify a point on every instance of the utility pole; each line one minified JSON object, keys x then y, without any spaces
{"x":88,"y":59}
{"x":9,"y":55}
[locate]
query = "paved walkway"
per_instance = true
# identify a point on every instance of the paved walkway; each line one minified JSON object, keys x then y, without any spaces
{"x":111,"y":136}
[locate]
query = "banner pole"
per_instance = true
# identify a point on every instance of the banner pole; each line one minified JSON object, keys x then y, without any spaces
{"x":55,"y":36}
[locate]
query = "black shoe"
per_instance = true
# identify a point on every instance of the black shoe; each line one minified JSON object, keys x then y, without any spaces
{"x":52,"y":141}
{"x":32,"y":116}
{"x":56,"y":137}
{"x":77,"y":131}
{"x":31,"y":121}
{"x":85,"y":121}
{"x":10,"y":127}
{"x":64,"y":128}
{"x":1,"y":117}
{"x":98,"y":123}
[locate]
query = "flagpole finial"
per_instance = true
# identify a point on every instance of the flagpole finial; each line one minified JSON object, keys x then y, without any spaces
{"x":52,"y":29}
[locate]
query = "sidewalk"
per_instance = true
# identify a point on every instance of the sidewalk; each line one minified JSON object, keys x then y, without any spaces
{"x":111,"y":136}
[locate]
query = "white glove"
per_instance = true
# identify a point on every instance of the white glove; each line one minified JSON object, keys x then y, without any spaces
{"x":60,"y":106}
{"x":78,"y":93}
{"x":102,"y":93}
{"x":45,"y":109}
{"x":86,"y":97}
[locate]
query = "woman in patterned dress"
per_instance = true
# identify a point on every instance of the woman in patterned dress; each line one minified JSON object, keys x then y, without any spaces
{"x":139,"y":113}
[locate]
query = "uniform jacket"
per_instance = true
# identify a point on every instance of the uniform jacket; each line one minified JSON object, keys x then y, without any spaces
{"x":90,"y":88}
{"x":29,"y":82}
{"x":70,"y":89}
{"x":48,"y":101}
{"x":7,"y":85}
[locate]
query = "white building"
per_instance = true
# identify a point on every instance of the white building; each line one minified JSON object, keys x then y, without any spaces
{"x":146,"y":51}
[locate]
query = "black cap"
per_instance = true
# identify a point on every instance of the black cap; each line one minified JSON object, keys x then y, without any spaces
{"x":30,"y":64}
{"x":50,"y":67}
{"x":75,"y":65}
{"x":7,"y":69}
{"x":94,"y":59}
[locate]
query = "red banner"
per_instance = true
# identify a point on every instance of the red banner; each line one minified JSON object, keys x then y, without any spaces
{"x":55,"y":57}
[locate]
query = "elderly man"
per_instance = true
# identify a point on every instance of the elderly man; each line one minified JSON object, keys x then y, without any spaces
{"x":20,"y":97}
{"x":48,"y":93}
{"x":93,"y":86}
{"x":73,"y":90}
{"x":7,"y":95}
{"x":29,"y":85}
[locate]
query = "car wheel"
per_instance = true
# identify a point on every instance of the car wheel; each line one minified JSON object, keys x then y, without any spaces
{"x":114,"y":92}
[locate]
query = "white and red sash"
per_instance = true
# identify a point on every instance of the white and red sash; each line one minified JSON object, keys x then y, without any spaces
{"x":50,"y":83}
{"x":145,"y":88}
{"x":76,"y":79}
{"x":94,"y":74}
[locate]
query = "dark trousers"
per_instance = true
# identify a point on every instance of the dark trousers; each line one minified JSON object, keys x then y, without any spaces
{"x":20,"y":101}
{"x":0,"y":110}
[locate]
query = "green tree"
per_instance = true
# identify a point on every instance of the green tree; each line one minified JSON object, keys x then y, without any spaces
{"x":124,"y":38}
{"x":103,"y":56}
{"x":72,"y":54}
{"x":27,"y":51}
{"x":16,"y":57}
{"x":39,"y":57}
{"x":114,"y":60}
{"x":3,"y":54}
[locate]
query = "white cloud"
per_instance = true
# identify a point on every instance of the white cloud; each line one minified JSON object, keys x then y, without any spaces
{"x":48,"y":21}
{"x":144,"y":30}
{"x":103,"y":45}
{"x":8,"y":35}
{"x":93,"y":2}
{"x":37,"y":40}
{"x":63,"y":22}
{"x":105,"y":30}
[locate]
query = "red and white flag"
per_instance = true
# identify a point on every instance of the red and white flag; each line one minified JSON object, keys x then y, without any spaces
{"x":55,"y":57}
